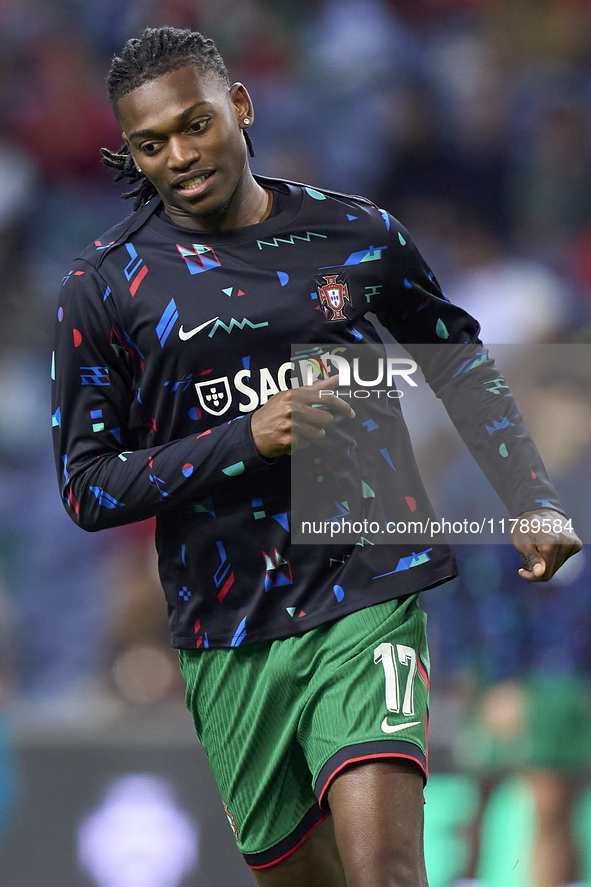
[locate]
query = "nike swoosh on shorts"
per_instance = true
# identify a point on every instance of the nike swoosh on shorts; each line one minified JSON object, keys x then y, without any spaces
{"x":184,"y":336}
{"x":388,"y":729}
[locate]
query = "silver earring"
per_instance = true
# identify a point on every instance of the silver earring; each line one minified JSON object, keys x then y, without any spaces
{"x":139,"y":169}
{"x":246,"y":121}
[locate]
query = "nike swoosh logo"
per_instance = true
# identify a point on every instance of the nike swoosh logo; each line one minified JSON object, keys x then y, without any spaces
{"x":386,"y":728}
{"x":184,"y":336}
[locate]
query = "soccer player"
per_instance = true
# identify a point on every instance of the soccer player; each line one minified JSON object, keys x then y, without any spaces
{"x":175,"y":395}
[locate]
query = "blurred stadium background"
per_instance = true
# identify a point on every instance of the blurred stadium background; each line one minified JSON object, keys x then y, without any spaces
{"x":470,"y":120}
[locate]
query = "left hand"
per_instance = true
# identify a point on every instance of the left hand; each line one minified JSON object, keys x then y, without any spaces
{"x":543,"y":551}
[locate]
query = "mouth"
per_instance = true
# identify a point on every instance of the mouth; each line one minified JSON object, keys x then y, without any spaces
{"x":191,"y":187}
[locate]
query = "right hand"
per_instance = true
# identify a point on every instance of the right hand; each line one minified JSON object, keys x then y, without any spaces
{"x":288,"y":421}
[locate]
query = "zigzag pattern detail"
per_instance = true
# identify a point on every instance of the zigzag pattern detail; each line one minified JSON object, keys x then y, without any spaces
{"x":239,"y":324}
{"x":290,"y":240}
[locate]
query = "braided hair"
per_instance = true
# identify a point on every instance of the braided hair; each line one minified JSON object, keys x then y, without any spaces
{"x":155,"y":52}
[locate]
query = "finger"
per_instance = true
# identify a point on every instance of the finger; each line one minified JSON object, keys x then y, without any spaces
{"x":533,"y":565}
{"x":329,"y":400}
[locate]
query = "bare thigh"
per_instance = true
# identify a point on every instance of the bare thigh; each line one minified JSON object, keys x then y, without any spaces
{"x":373,"y":839}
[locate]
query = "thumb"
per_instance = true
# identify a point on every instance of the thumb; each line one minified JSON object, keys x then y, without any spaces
{"x":533,"y":564}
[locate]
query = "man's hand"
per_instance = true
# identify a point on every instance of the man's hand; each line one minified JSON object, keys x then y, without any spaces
{"x":544,"y":544}
{"x":288,"y":421}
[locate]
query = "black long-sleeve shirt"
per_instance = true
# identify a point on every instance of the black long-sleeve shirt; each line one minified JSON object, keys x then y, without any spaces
{"x":166,"y":344}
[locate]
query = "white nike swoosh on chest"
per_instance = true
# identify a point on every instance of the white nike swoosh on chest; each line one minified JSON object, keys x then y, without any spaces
{"x":187,"y":335}
{"x":386,"y":728}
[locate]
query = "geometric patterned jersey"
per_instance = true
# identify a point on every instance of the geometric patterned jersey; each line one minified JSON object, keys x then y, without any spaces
{"x":165,"y":346}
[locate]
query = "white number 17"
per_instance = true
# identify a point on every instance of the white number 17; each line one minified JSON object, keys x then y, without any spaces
{"x":387,"y":655}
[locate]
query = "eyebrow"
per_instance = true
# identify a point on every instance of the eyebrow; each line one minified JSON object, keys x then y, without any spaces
{"x":142,"y":133}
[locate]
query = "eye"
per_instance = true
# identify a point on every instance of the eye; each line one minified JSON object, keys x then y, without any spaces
{"x":149,"y":148}
{"x":198,"y":125}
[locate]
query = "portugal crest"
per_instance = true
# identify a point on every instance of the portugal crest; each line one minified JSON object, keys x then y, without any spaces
{"x":214,"y":396}
{"x":334,"y":295}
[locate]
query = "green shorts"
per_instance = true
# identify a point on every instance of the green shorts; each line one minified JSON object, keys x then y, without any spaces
{"x":279,"y":720}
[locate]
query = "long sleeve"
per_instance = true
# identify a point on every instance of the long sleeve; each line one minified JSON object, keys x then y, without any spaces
{"x":443,"y":339}
{"x":108,"y":473}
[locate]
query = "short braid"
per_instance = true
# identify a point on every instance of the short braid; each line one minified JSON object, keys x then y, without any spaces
{"x":155,"y":52}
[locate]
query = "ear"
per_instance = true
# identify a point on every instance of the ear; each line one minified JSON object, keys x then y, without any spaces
{"x":243,"y":105}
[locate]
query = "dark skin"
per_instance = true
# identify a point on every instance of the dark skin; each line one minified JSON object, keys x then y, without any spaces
{"x":185,"y":131}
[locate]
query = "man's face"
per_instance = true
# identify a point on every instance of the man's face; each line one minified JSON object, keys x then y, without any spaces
{"x":184,"y":131}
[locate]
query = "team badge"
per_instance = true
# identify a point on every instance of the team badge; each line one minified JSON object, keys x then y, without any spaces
{"x":334,"y":295}
{"x":214,"y":396}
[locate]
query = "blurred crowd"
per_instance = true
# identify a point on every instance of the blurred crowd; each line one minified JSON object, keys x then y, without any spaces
{"x":469,"y":120}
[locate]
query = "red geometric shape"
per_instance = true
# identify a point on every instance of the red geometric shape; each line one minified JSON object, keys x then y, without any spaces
{"x":73,"y":501}
{"x":412,"y":503}
{"x":140,"y":276}
{"x":203,"y":433}
{"x":77,"y":338}
{"x":534,"y":475}
{"x":226,"y":587}
{"x":301,"y":613}
{"x":239,"y":293}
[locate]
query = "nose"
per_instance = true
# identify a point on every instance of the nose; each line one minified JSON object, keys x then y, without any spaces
{"x":182,"y":152}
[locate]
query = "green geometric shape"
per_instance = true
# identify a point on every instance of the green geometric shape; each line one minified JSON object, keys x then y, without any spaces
{"x":259,"y":514}
{"x":345,"y":505}
{"x":316,"y":194}
{"x":367,"y":491}
{"x":401,"y":239}
{"x":291,"y":610}
{"x":228,"y":290}
{"x":503,"y":450}
{"x":234,"y":470}
{"x":98,"y":426}
{"x":441,"y":329}
{"x":53,"y":365}
{"x":319,"y":478}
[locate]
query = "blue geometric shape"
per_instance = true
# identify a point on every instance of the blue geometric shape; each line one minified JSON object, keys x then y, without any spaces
{"x":56,"y":418}
{"x":107,"y":293}
{"x":239,"y":634}
{"x":371,"y":254}
{"x":167,"y":322}
{"x":386,"y":456}
{"x":497,"y":426}
{"x":351,"y":217}
{"x":386,"y":218}
{"x":105,"y":499}
{"x":283,"y":277}
{"x":544,"y":503}
{"x":405,"y":563}
{"x":193,"y":414}
{"x":407,"y":284}
{"x":129,"y":271}
{"x":471,"y":363}
{"x":339,"y":593}
{"x":96,"y":414}
{"x":246,"y":363}
{"x":282,"y":520}
{"x":370,"y":425}
{"x":116,"y":432}
{"x":183,"y":553}
{"x":356,"y":334}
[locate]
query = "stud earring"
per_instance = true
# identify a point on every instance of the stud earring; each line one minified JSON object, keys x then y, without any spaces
{"x":246,"y":121}
{"x":139,"y":169}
